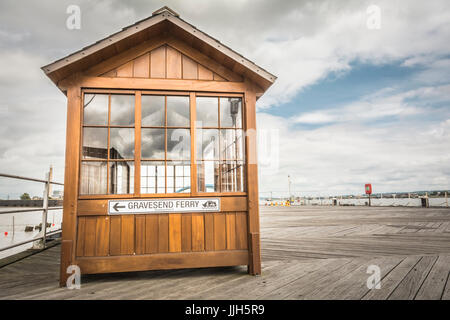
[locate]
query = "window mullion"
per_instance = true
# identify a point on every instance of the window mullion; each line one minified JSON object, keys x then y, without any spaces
{"x":137,"y":142}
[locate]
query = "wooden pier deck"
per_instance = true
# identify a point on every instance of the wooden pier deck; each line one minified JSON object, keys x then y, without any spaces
{"x":307,"y":253}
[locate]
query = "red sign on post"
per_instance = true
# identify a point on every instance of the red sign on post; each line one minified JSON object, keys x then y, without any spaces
{"x":368,"y":188}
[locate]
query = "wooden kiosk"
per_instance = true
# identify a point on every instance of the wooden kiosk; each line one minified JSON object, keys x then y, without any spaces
{"x":161,"y":169}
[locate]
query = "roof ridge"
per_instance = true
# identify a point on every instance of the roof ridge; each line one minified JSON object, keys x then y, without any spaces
{"x":165,"y":9}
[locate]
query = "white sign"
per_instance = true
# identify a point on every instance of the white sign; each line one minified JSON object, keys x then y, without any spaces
{"x":163,"y":205}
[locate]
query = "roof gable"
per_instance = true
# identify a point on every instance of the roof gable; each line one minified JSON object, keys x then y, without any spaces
{"x":161,"y":62}
{"x":163,"y":24}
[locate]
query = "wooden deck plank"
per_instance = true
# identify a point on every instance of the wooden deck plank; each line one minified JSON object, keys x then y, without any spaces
{"x":307,"y":252}
{"x":410,"y":285}
{"x":434,"y":285}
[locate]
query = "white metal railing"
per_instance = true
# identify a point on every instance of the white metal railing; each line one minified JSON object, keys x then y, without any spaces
{"x":45,"y":209}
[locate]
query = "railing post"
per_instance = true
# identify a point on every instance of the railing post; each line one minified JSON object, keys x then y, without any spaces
{"x":45,"y":211}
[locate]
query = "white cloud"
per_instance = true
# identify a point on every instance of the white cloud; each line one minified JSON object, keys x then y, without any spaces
{"x":301,"y":42}
{"x":409,"y":153}
{"x":377,"y":106}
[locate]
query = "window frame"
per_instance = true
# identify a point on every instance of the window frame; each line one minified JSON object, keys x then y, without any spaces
{"x":137,"y":140}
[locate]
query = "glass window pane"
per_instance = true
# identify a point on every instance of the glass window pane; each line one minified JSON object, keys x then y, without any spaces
{"x":207,"y":144}
{"x":152,"y":144}
{"x":121,"y":143}
{"x":153,"y":111}
{"x":178,"y":111}
{"x":178,"y":144}
{"x":95,"y":143}
{"x":208,"y":176}
{"x":153,"y":177}
{"x":121,"y":177}
{"x":177,"y":180}
{"x":232,"y":176}
{"x":231,"y":146}
{"x":93,"y":177}
{"x":95,"y":111}
{"x":207,"y":112}
{"x":122,"y":110}
{"x":240,"y":176}
{"x":231,"y":112}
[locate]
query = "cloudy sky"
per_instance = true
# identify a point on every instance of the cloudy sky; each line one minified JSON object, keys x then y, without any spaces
{"x":353,"y":103}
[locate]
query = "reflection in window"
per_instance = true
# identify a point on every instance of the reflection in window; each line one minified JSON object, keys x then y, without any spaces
{"x":153,"y":177}
{"x":178,"y":144}
{"x":114,"y":177}
{"x":230,"y":113}
{"x":153,"y":111}
{"x":122,"y":110}
{"x":93,"y":177}
{"x":231,"y":144}
{"x":232,"y":176}
{"x":207,"y":144}
{"x":95,"y":111}
{"x":178,"y":177}
{"x":121,"y":143}
{"x":178,"y":111}
{"x":153,"y":144}
{"x":208,"y":176}
{"x":207,"y":112}
{"x":121,"y":177}
{"x":220,"y":151}
{"x":95,"y":143}
{"x":170,"y":144}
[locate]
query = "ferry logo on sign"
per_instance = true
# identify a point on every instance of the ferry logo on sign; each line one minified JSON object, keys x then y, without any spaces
{"x":163,"y":206}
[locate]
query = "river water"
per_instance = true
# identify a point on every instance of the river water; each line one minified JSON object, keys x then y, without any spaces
{"x":12,"y":227}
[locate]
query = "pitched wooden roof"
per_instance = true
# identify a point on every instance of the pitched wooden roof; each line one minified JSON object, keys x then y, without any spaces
{"x":163,"y":21}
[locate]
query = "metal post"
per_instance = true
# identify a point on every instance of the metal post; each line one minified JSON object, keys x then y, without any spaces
{"x":446,"y":198}
{"x":45,"y":211}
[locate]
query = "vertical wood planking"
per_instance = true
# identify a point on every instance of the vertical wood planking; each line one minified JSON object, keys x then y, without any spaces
{"x":80,"y":236}
{"x":114,"y":235}
{"x":127,"y":235}
{"x":231,"y":230}
{"x":204,"y":74}
{"x":190,"y":70}
{"x":241,"y":231}
{"x":216,"y":77}
{"x":186,"y":232}
{"x":151,"y":233}
{"x":209,"y":231}
{"x":110,"y":74}
{"x":89,"y":239}
{"x":140,"y":234}
{"x":163,"y":233}
{"x":220,"y":238}
{"x":125,"y":71}
{"x":173,"y":63}
{"x":141,"y":68}
{"x":175,"y":232}
{"x":102,"y":237}
{"x":158,"y":63}
{"x":198,"y":232}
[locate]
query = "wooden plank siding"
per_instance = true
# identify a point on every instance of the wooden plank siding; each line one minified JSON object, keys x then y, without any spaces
{"x":101,"y":236}
{"x":163,"y":62}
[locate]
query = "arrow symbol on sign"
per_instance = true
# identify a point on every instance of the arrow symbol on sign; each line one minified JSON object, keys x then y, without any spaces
{"x":117,"y":207}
